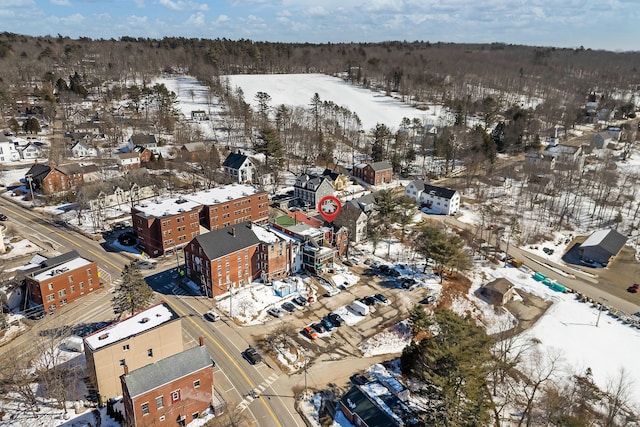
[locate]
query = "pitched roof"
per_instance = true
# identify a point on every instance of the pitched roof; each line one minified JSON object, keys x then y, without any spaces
{"x":70,"y":169}
{"x":234,"y":160}
{"x":38,"y":171}
{"x":419,"y":184}
{"x":351,"y":211}
{"x":194,"y":146}
{"x":358,"y":402}
{"x":501,"y":285}
{"x":143,"y":139}
{"x":223,"y":241}
{"x":131,"y":155}
{"x":380,"y":166}
{"x":446,"y":193}
{"x":166,"y":370}
{"x":609,"y":240}
{"x":60,"y":259}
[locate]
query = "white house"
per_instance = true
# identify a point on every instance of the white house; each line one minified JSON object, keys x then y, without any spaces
{"x":29,"y":150}
{"x":81,"y":149}
{"x":128,"y":161}
{"x":239,"y":168}
{"x":144,"y":140}
{"x":438,"y":200}
{"x":8,"y":151}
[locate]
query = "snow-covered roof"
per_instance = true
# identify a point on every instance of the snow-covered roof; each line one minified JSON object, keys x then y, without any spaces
{"x":187,"y":203}
{"x":166,"y":207}
{"x":376,"y":391}
{"x":282,"y":235}
{"x":136,"y":324}
{"x":226,"y":193}
{"x":60,"y":269}
{"x":264,"y":235}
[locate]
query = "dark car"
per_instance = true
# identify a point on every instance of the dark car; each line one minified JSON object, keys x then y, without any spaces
{"x":633,"y":289}
{"x":381,"y":298}
{"x":300,"y":301}
{"x":252,"y":356}
{"x":336,"y":319}
{"x":127,"y":239}
{"x":3,"y":217}
{"x":319,"y":327}
{"x":370,"y":300}
{"x":326,"y":322}
{"x":428,"y":300}
{"x":289,"y":307}
{"x":36,"y":315}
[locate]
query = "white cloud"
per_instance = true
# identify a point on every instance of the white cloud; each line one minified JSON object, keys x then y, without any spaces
{"x":221,"y":19}
{"x":184,"y":5}
{"x":139,"y":3}
{"x":196,"y":20}
{"x":60,"y":2}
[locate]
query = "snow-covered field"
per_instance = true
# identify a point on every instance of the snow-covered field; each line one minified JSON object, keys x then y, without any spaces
{"x":298,"y":89}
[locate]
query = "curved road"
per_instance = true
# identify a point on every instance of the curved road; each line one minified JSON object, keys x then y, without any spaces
{"x":235,"y":379}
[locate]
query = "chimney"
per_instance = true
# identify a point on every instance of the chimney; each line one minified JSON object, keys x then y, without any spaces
{"x":126,"y":370}
{"x":200,"y":340}
{"x":233,"y":231}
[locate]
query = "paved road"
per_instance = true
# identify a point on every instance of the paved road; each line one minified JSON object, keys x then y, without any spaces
{"x":574,"y":278}
{"x":224,"y":343}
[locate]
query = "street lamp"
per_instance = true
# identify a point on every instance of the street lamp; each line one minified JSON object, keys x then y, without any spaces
{"x":230,"y":288}
{"x":29,"y":178}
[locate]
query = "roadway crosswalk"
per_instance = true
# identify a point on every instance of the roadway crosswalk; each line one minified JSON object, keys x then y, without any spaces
{"x":256,"y":392}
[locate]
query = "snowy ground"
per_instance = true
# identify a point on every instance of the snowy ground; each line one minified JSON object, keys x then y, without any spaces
{"x":298,"y":89}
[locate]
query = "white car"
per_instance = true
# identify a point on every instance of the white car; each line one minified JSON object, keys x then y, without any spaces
{"x":211,"y":316}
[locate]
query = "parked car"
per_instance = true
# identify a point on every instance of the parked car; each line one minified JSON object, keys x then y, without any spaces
{"x":336,"y":319}
{"x":252,"y":356}
{"x":212,"y":316}
{"x":332,"y":292}
{"x":370,"y":300}
{"x":319,"y":328}
{"x":359,"y":379}
{"x":326,"y":322}
{"x":146,"y":265}
{"x":275,"y":312}
{"x":289,"y":307}
{"x":347,"y":263}
{"x":428,"y":299}
{"x":301,"y":301}
{"x":381,"y":298}
{"x":309,"y":332}
{"x":311,"y":299}
{"x":3,"y":217}
{"x":634,"y":288}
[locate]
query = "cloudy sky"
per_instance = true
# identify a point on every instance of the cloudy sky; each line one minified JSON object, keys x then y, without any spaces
{"x":596,"y":24}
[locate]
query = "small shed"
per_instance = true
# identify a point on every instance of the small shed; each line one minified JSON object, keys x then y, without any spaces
{"x":498,"y":292}
{"x":601,"y":246}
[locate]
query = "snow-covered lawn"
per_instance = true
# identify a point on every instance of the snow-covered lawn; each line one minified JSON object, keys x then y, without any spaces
{"x":298,"y":89}
{"x":392,"y":340}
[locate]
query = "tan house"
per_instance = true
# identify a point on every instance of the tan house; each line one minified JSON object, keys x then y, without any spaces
{"x":498,"y":292}
{"x":144,"y":338}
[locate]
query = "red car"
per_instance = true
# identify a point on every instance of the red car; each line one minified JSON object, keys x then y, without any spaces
{"x":633,"y":289}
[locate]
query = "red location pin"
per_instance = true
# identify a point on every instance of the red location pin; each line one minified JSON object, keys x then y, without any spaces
{"x":329,"y":207}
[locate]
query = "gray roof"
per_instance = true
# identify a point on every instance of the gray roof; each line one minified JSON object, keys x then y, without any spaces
{"x":220,"y":242}
{"x":39,"y":171}
{"x":60,"y":259}
{"x":609,"y":240}
{"x":419,"y":184}
{"x":234,"y":160}
{"x":447,"y":193}
{"x":358,"y":402}
{"x":192,"y":147}
{"x":380,"y":166}
{"x":70,"y":169}
{"x":500,"y":285}
{"x":166,"y":370}
{"x":142,"y":139}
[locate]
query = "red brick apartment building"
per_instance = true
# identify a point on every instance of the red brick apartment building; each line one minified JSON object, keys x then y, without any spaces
{"x":374,"y":173}
{"x":166,"y":226}
{"x":169,"y":225}
{"x":51,"y":179}
{"x":223,"y":258}
{"x":275,"y":255}
{"x":172,"y":391}
{"x":61,"y":280}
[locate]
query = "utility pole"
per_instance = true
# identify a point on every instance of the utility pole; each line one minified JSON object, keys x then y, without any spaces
{"x":600,"y":311}
{"x":230,"y":304}
{"x":29,"y":178}
{"x":305,"y":373}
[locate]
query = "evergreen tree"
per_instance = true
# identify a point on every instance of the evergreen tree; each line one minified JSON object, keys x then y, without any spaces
{"x":133,"y":294}
{"x":453,"y":360}
{"x":31,"y":125}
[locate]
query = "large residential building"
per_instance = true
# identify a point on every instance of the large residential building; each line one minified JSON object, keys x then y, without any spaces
{"x":438,"y":200}
{"x":61,"y":280}
{"x":310,"y":189}
{"x":50,"y":179}
{"x":165,"y":226}
{"x":172,"y":391}
{"x":223,"y":259}
{"x":374,"y":173}
{"x":146,"y":337}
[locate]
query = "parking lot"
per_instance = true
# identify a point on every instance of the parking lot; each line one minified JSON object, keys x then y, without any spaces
{"x":342,"y":341}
